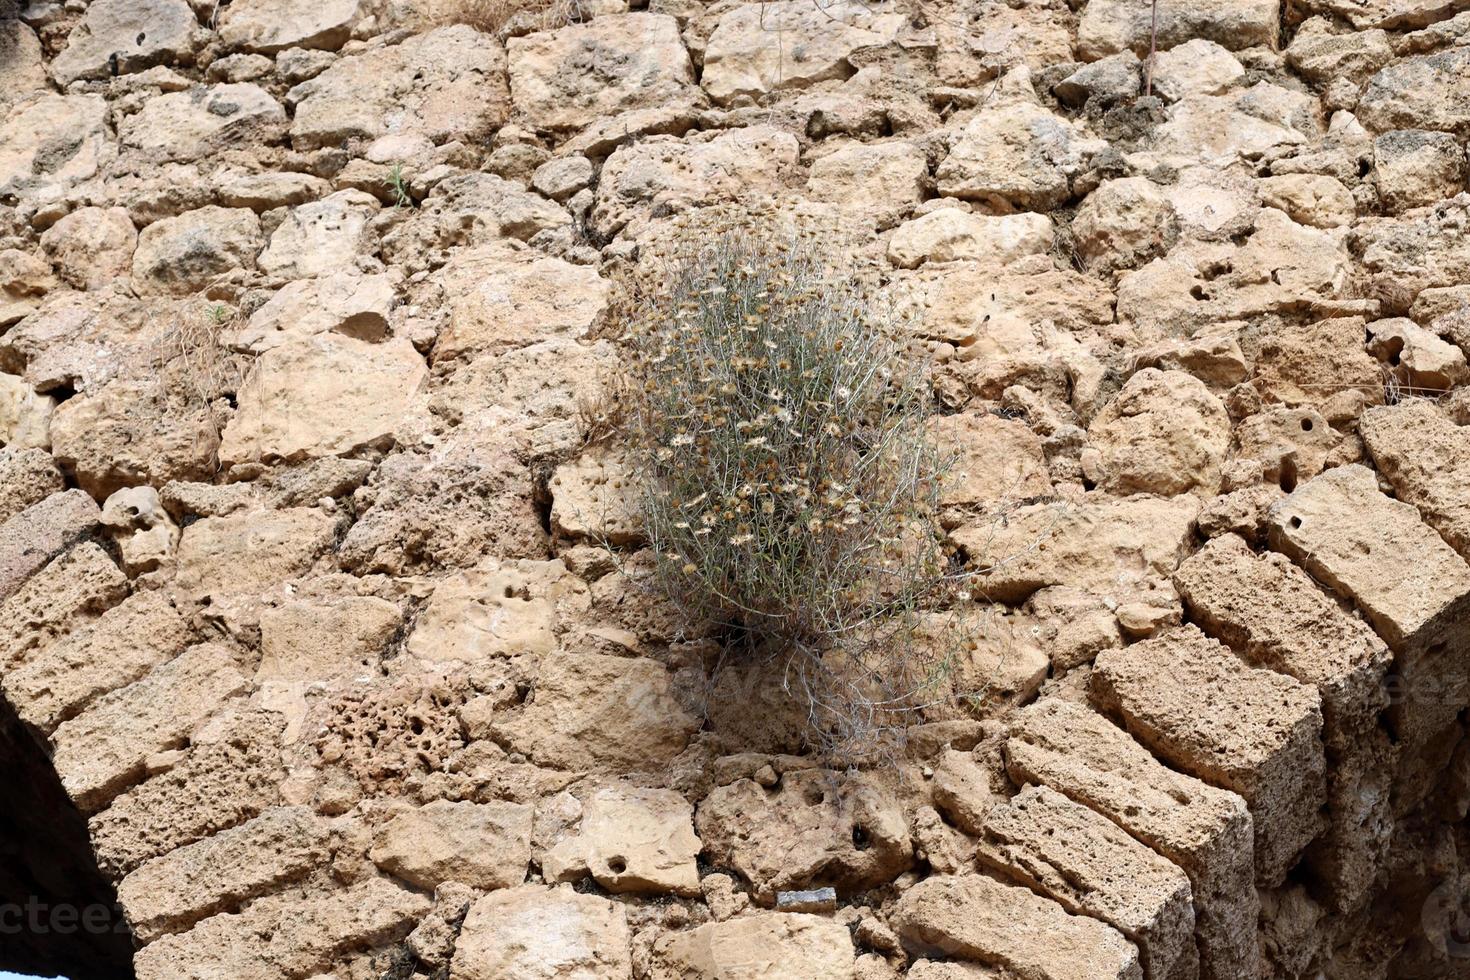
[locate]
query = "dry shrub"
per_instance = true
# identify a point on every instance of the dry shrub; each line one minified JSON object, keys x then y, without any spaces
{"x":789,"y":489}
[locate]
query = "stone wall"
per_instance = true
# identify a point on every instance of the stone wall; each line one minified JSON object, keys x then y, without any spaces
{"x":312,"y":649}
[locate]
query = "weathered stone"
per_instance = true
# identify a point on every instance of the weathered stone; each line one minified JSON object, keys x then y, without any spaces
{"x":102,"y":751}
{"x":118,"y":36}
{"x":472,"y":209}
{"x":1291,"y":444}
{"x":497,"y":609}
{"x":566,"y":79}
{"x":271,"y":189}
{"x":1426,"y":458}
{"x":972,"y":917}
{"x":483,"y":845}
{"x":638,"y":841}
{"x":592,"y":710}
{"x":775,"y":945}
{"x":173,"y":891}
{"x":1090,"y":867}
{"x":74,"y":588}
{"x":120,"y":647}
{"x":1016,"y":154}
{"x":1319,"y":201}
{"x":1109,"y":26}
{"x":1165,"y":433}
{"x":665,"y":174}
{"x":1419,"y":359}
{"x":279,"y":938}
{"x":351,"y":305}
{"x":596,"y":496}
{"x":269,"y":26}
{"x":1428,"y":92}
{"x":1273,"y":615}
{"x":37,"y":534}
{"x":994,"y":463}
{"x":91,"y":247}
{"x":245,"y":553}
{"x":1322,"y":56}
{"x":537,"y":933}
{"x":204,"y":121}
{"x":1205,"y":831}
{"x":499,"y":296}
{"x":1403,"y":256}
{"x":1322,"y":365}
{"x":1242,"y":124}
{"x":50,"y":142}
{"x":741,"y":60}
{"x":230,"y":773}
{"x":326,"y":395}
{"x":950,"y":235}
{"x":22,"y":70}
{"x":1415,"y":167}
{"x":305,"y":640}
{"x":27,"y":476}
{"x":183,"y":254}
{"x":872,"y":177}
{"x":1254,"y":732}
{"x":1196,"y":67}
{"x":1093,"y":545}
{"x":1107,"y":80}
{"x":448,"y":84}
{"x":1123,"y":223}
{"x":25,"y":417}
{"x":818,"y":828}
{"x":333,"y":235}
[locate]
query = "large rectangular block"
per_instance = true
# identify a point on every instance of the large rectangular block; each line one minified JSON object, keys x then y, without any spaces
{"x":1426,"y":457}
{"x":102,"y":751}
{"x":1273,"y":615}
{"x":64,"y":596}
{"x":1413,"y":589}
{"x":37,"y":534}
{"x":972,"y":917}
{"x":173,"y":891}
{"x":1255,"y":732}
{"x":1204,"y":830}
{"x":1089,"y":866}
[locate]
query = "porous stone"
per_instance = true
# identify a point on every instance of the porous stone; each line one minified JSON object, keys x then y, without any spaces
{"x":1109,"y":26}
{"x":874,"y":177}
{"x":1165,"y":433}
{"x":1415,"y":167}
{"x":537,"y":933}
{"x":1206,"y":831}
{"x":951,"y":235}
{"x":181,"y":255}
{"x":777,"y":945}
{"x":271,"y":26}
{"x":333,"y":235}
{"x":1431,"y":91}
{"x":43,"y":530}
{"x":203,"y":121}
{"x":1196,"y":67}
{"x":91,"y":247}
{"x":51,"y":142}
{"x":118,"y":36}
{"x":306,"y":640}
{"x":352,"y":305}
{"x":638,"y":841}
{"x":251,"y":551}
{"x":1254,"y":732}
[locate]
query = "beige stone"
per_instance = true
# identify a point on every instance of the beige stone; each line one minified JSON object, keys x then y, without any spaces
{"x":1310,"y":199}
{"x":22,"y":69}
{"x":25,"y":417}
{"x":304,"y":640}
{"x":1323,"y":365}
{"x":538,"y":933}
{"x":992,"y":464}
{"x":171,"y":892}
{"x":770,"y":945}
{"x":499,"y":296}
{"x":871,"y":177}
{"x":73,"y":589}
{"x":483,"y":845}
{"x":102,"y":751}
{"x":323,"y":237}
{"x":972,"y":917}
{"x":1123,"y":223}
{"x":1116,"y":25}
{"x":1165,"y":433}
{"x":1093,"y":545}
{"x":1089,"y":866}
{"x":1426,"y":458}
{"x":445,"y":84}
{"x":122,"y":645}
{"x":204,"y":121}
{"x":592,"y":710}
{"x":818,"y":828}
{"x":1415,"y":167}
{"x":269,"y":26}
{"x":1207,"y":832}
{"x":499,"y":608}
{"x":27,"y":476}
{"x":251,"y":551}
{"x":666,"y":175}
{"x":596,"y":496}
{"x":1419,"y":359}
{"x":744,"y":59}
{"x":565,"y":79}
{"x":1242,"y":124}
{"x":352,"y":305}
{"x":638,"y":841}
{"x":1291,"y":444}
{"x":126,"y":36}
{"x":91,"y":247}
{"x":1251,"y":731}
{"x":1196,"y":67}
{"x":181,"y":255}
{"x":1425,"y":92}
{"x":37,"y":534}
{"x":952,"y":234}
{"x":326,"y":395}
{"x":1321,"y":55}
{"x":50,"y":142}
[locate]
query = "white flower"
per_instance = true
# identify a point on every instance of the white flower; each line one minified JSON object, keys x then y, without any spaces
{"x":740,"y":539}
{"x":682,"y":439}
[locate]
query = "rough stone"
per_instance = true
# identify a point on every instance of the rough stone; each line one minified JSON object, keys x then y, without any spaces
{"x":776,"y":945}
{"x":1206,"y":831}
{"x":1414,"y":167}
{"x":1196,"y":67}
{"x":1109,"y":26}
{"x":271,"y":26}
{"x":204,"y":121}
{"x":538,"y":933}
{"x":119,"y":36}
{"x":43,"y":530}
{"x":565,"y":79}
{"x":91,"y":247}
{"x":1165,"y":433}
{"x":72,"y":589}
{"x":1123,"y":223}
{"x":1254,"y":732}
{"x":50,"y":142}
{"x":306,"y":640}
{"x":870,"y":177}
{"x":1427,"y":92}
{"x":631,"y":841}
{"x":351,"y":305}
{"x":333,"y":235}
{"x":951,"y":235}
{"x":183,"y":254}
{"x":483,"y":845}
{"x":249,"y":552}
{"x":326,"y":395}
{"x":972,"y":917}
